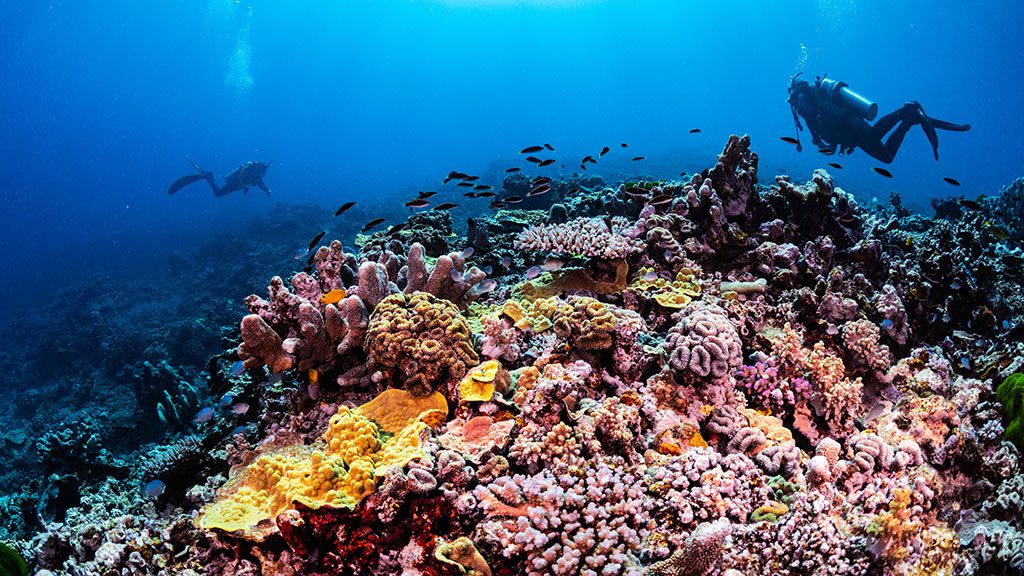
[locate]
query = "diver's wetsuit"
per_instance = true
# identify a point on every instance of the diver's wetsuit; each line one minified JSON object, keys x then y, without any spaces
{"x":835,"y":127}
{"x":242,"y":178}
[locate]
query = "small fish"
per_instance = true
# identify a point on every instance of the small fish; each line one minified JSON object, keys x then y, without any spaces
{"x":497,"y":204}
{"x":373,"y":224}
{"x":637,"y":192}
{"x":240,"y":409}
{"x":204,"y":415}
{"x":417,"y":203}
{"x":604,"y":151}
{"x":465,"y":184}
{"x":486,"y":195}
{"x":541,"y":180}
{"x":445,"y":206}
{"x":624,"y":145}
{"x":549,"y":147}
{"x":226,"y":400}
{"x":468,"y":252}
{"x":484,"y":287}
{"x":396,"y":228}
{"x":970,"y":204}
{"x":965,"y":362}
{"x":547,"y":162}
{"x":239,"y":430}
{"x":682,"y":174}
{"x":470,"y":178}
{"x":237,"y":368}
{"x":154,"y":488}
{"x":552,"y":264}
{"x":300,"y":254}
{"x":481,"y":187}
{"x":789,"y":140}
{"x":694,"y":130}
{"x":453,"y":175}
{"x":660,"y":200}
{"x":1007,"y":325}
{"x":883,"y":172}
{"x":314,"y":376}
{"x":583,"y":167}
{"x":532,"y":272}
{"x":533,"y":159}
{"x":514,"y":199}
{"x":470,"y":195}
{"x":886,"y":324}
{"x":538,"y":190}
{"x":512,"y":170}
{"x":999,"y":232}
{"x":316,"y":240}
{"x":334,"y":296}
{"x":344,"y":208}
{"x":587,"y":159}
{"x":638,"y":158}
{"x":835,"y":165}
{"x":426,"y":195}
{"x":488,"y":270}
{"x":650,"y":276}
{"x":275,"y":379}
{"x":952,"y":181}
{"x":531,"y":149}
{"x":506,"y":262}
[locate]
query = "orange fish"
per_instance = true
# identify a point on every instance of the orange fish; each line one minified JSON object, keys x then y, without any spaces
{"x":333,"y":297}
{"x":314,"y":376}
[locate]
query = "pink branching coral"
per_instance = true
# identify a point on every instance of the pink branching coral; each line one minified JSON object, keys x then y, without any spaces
{"x":581,"y":237}
{"x":766,"y":388}
{"x":593,"y":522}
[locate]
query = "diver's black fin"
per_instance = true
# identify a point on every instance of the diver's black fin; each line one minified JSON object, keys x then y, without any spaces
{"x":185,"y":181}
{"x":943,"y":125}
{"x":929,"y":129}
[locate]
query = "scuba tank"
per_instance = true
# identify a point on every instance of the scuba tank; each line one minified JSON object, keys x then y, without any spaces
{"x":841,"y":94}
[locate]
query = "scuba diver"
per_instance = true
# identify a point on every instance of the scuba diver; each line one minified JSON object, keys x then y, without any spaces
{"x":838,"y":117}
{"x":242,"y":178}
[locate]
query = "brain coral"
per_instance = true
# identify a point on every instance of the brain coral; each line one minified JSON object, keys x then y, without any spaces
{"x":420,"y":342}
{"x":585,"y":322}
{"x":703,"y":345}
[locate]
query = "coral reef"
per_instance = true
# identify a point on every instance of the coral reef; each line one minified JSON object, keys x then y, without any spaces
{"x":681,"y":378}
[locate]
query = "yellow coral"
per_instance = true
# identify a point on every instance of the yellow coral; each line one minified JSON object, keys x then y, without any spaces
{"x":338,"y":470}
{"x":676,"y":294}
{"x":535,"y":316}
{"x":585,"y":322}
{"x":478,"y":385}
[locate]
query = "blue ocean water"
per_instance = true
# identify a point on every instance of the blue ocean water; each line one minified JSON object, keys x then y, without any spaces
{"x":101,"y":101}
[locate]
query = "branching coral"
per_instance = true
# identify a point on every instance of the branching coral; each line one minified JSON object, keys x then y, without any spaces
{"x":581,"y":237}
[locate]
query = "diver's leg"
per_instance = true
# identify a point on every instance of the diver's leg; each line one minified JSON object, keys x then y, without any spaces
{"x":886,"y":151}
{"x":884,"y":124}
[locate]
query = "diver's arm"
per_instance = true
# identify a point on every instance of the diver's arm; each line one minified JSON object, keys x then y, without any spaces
{"x":263,"y":186}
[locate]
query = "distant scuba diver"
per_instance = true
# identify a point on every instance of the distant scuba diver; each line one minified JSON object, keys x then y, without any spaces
{"x":838,"y":117}
{"x":242,"y":178}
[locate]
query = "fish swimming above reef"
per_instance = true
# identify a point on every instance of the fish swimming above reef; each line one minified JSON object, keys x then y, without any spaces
{"x":454,"y":175}
{"x":547,"y":162}
{"x":203,"y":416}
{"x":789,"y":140}
{"x":373,"y":224}
{"x":512,"y":170}
{"x":952,"y":181}
{"x":154,"y":488}
{"x":883,"y":172}
{"x":445,"y":206}
{"x":417,"y":203}
{"x":531,"y":149}
{"x":639,"y":158}
{"x":344,"y":208}
{"x":835,"y":165}
{"x":695,"y":130}
{"x":604,"y":151}
{"x":316,"y":240}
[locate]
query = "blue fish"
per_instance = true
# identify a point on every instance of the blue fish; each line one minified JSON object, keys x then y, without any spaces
{"x":204,"y":415}
{"x":274,"y":378}
{"x":1006,"y":324}
{"x":237,"y":368}
{"x":226,"y":400}
{"x":154,"y":488}
{"x":886,"y":324}
{"x":965,"y":362}
{"x":300,"y":254}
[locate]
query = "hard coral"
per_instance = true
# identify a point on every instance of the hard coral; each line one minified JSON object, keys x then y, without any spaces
{"x":585,"y":323}
{"x":580,"y":237}
{"x":703,"y":346}
{"x":419,"y":342}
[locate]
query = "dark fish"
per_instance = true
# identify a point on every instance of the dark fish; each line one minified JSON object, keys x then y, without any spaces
{"x":531,"y":149}
{"x":971,"y":204}
{"x":695,"y":131}
{"x":344,"y":208}
{"x":470,"y":194}
{"x":481,"y":187}
{"x":533,"y":159}
{"x":638,"y":158}
{"x":541,"y":180}
{"x":498,"y":204}
{"x":511,"y":170}
{"x":465,"y":184}
{"x":835,"y":165}
{"x":637,"y":192}
{"x":373,"y":224}
{"x":485,"y":195}
{"x":426,"y":194}
{"x":547,"y":162}
{"x":453,"y":175}
{"x":828,"y":151}
{"x":789,"y":140}
{"x":588,"y":159}
{"x":445,"y":206}
{"x":470,"y":178}
{"x":316,"y":239}
{"x":538,"y":190}
{"x":624,"y":145}
{"x":883,"y":172}
{"x":574,"y":191}
{"x":396,"y":228}
{"x":999,"y":232}
{"x":604,"y":151}
{"x":682,"y":174}
{"x":417,"y":203}
{"x":309,"y":261}
{"x":549,"y":147}
{"x":513,"y":199}
{"x":583,"y":166}
{"x":660,"y":199}
{"x":952,"y":181}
